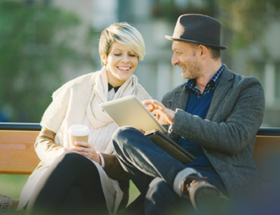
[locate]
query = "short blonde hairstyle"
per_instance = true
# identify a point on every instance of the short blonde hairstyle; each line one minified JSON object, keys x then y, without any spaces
{"x":125,"y":34}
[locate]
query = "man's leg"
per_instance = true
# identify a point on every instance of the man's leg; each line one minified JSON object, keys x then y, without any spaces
{"x":138,"y":152}
{"x":162,"y":200}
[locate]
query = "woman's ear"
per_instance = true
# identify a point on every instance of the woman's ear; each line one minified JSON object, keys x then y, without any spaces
{"x":104,"y":60}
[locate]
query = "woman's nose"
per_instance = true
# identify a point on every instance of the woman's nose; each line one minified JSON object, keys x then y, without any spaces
{"x":125,"y":58}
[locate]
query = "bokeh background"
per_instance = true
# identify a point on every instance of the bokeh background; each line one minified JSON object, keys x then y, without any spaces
{"x":45,"y":43}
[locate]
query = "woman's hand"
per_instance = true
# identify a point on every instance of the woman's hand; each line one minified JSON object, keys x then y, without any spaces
{"x":87,"y":150}
{"x":164,"y":115}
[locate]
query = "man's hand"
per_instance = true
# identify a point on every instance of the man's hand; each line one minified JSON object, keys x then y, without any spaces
{"x":164,"y":115}
{"x":87,"y":150}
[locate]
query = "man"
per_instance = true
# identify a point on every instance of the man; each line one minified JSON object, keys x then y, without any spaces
{"x":215,"y":116}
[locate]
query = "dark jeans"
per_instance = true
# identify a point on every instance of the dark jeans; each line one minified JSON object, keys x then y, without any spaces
{"x":153,"y":171}
{"x":71,"y":185}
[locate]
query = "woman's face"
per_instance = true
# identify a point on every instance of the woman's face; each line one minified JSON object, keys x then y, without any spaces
{"x":121,"y":64}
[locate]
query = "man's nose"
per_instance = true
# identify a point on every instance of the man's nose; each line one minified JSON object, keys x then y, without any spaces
{"x":174,"y":60}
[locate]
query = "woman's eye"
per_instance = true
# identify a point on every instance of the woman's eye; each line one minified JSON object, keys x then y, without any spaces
{"x":132,"y":55}
{"x":117,"y":54}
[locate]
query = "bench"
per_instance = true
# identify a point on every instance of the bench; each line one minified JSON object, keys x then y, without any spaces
{"x":17,"y":154}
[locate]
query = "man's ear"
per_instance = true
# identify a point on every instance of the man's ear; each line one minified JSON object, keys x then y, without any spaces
{"x":203,"y":51}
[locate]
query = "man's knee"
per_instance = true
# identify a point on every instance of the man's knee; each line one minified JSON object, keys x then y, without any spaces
{"x":122,"y":135}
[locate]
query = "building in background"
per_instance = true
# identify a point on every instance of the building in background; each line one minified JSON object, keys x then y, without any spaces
{"x":157,"y":18}
{"x":262,"y":60}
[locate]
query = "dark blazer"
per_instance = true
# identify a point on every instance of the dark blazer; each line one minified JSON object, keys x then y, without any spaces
{"x":227,"y":135}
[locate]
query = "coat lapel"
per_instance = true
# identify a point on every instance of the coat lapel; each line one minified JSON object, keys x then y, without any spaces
{"x":221,"y":90}
{"x":181,"y":98}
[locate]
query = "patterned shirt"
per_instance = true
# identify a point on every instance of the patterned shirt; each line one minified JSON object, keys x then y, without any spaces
{"x":209,"y":86}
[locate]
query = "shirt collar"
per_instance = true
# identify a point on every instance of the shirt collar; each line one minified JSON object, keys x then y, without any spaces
{"x":111,"y":87}
{"x":210,"y":85}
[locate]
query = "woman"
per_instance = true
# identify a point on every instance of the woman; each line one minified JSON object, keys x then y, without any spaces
{"x":86,"y":178}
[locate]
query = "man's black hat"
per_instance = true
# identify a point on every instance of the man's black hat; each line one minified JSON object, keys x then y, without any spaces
{"x":197,"y":28}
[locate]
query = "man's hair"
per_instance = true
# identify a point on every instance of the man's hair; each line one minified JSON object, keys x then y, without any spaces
{"x":125,"y":34}
{"x":215,"y":53}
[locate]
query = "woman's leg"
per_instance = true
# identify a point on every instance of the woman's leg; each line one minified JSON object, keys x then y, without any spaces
{"x":69,"y":179}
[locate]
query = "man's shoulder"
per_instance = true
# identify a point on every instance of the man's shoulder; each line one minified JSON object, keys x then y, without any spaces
{"x":240,"y":80}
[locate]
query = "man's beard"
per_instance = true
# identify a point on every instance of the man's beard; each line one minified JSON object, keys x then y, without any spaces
{"x":193,"y":70}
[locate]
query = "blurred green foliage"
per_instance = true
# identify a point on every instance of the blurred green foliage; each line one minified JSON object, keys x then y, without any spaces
{"x":244,"y":21}
{"x":11,"y":185}
{"x":247,"y":19}
{"x":170,"y":11}
{"x":35,"y":44}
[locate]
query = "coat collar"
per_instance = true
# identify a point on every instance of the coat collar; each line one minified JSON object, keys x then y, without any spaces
{"x":181,"y":96}
{"x":221,"y":90}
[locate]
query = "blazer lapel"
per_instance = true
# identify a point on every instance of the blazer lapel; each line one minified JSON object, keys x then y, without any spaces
{"x":221,"y":90}
{"x":181,"y":98}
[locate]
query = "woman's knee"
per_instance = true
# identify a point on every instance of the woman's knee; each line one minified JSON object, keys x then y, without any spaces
{"x":70,"y":158}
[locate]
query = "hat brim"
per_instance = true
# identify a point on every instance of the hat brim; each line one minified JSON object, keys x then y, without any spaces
{"x":197,"y":42}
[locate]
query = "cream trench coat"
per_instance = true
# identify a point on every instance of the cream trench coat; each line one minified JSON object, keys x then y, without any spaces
{"x":76,"y":102}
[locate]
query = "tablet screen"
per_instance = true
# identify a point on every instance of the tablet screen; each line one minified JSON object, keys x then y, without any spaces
{"x":129,"y":111}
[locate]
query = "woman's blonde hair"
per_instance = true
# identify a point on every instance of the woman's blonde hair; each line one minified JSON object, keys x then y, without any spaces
{"x":125,"y":34}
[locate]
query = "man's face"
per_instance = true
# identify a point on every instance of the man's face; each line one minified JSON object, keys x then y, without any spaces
{"x":185,"y":56}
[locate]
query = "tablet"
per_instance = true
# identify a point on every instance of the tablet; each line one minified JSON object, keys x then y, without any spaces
{"x":129,"y":111}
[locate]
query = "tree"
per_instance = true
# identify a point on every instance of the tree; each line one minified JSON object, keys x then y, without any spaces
{"x":247,"y":19}
{"x":35,"y":44}
{"x":243,"y":20}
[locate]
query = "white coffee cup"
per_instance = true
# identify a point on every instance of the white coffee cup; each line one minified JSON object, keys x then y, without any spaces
{"x":78,"y":132}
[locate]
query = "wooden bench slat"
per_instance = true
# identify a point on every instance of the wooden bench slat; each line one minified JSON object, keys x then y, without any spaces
{"x":17,"y":153}
{"x":267,"y":149}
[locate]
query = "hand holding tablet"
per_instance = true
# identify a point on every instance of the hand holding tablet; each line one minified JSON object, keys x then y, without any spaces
{"x":129,"y":111}
{"x":163,"y":115}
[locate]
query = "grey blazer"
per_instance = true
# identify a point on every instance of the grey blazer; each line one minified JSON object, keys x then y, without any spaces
{"x":227,"y":135}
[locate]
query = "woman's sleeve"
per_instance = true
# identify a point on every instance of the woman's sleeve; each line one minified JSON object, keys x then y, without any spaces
{"x":45,"y":147}
{"x":56,"y":112}
{"x":113,"y":168}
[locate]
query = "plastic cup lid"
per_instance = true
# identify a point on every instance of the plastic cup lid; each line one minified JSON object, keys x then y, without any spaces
{"x":78,"y":130}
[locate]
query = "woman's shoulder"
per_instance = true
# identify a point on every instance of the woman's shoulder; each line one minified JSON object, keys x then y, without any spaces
{"x":78,"y":81}
{"x":141,"y":93}
{"x":81,"y":79}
